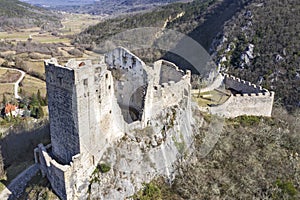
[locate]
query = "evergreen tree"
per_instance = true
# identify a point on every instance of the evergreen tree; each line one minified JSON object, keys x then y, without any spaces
{"x":34,"y":100}
{"x":39,"y":112}
{"x":39,"y":98}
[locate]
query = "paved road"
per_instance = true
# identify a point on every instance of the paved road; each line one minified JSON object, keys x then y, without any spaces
{"x":16,"y":84}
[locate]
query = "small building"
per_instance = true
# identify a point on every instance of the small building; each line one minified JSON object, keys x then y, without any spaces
{"x":12,"y":110}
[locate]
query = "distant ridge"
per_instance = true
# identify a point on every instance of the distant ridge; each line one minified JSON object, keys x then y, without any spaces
{"x":15,"y":15}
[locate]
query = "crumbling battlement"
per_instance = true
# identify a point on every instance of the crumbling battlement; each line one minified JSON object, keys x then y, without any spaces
{"x":91,"y":106}
{"x":259,"y":104}
{"x":246,"y":99}
{"x":241,"y":86}
{"x":166,"y":71}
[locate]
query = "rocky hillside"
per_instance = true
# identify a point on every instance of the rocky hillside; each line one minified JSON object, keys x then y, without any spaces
{"x":259,"y":41}
{"x":16,"y":15}
{"x":156,"y":18}
{"x":254,"y":158}
{"x":261,"y":44}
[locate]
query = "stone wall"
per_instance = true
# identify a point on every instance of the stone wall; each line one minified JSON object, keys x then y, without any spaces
{"x":169,"y":94}
{"x":259,"y":104}
{"x":246,"y":98}
{"x":91,"y":108}
{"x":241,"y":86}
{"x":169,"y":72}
{"x":54,"y":171}
{"x":84,"y":110}
{"x":62,"y":105}
{"x":130,"y":82}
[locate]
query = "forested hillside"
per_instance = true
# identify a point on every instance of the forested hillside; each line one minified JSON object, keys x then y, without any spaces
{"x":261,"y":44}
{"x":157,"y":18}
{"x":16,"y":15}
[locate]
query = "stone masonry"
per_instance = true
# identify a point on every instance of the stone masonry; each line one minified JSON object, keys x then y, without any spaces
{"x":135,"y":117}
{"x":92,"y":106}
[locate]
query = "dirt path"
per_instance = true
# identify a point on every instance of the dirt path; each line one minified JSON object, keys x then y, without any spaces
{"x":16,"y":84}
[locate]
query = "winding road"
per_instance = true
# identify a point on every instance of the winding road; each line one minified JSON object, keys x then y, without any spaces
{"x":16,"y":84}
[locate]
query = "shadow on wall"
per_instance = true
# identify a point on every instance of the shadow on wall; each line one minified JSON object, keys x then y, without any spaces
{"x":18,"y":147}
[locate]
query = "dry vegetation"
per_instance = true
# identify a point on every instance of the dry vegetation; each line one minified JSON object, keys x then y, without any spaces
{"x":30,"y":85}
{"x":272,"y":26}
{"x":38,"y":188}
{"x":7,"y":89}
{"x":255,"y":158}
{"x":10,"y":76}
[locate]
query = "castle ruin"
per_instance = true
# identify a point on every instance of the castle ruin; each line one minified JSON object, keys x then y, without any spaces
{"x":241,"y":98}
{"x":92,"y":106}
{"x":137,"y":117}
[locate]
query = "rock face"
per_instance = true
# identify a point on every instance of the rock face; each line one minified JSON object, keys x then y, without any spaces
{"x":145,"y":153}
{"x":135,"y":118}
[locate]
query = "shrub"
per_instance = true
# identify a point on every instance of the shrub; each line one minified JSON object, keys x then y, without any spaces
{"x":286,"y":189}
{"x":149,"y":192}
{"x":103,"y":167}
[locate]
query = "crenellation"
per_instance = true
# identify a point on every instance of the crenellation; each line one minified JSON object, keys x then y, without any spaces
{"x":171,"y":83}
{"x":246,"y":99}
{"x":99,"y":103}
{"x":93,"y":107}
{"x":164,"y":85}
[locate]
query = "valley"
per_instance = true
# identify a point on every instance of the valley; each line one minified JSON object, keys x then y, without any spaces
{"x":255,"y":157}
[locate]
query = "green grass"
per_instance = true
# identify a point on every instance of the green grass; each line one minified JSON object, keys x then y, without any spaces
{"x":2,"y":186}
{"x":104,"y":167}
{"x":150,"y":192}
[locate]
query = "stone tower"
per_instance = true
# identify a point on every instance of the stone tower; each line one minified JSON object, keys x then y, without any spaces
{"x":72,"y":109}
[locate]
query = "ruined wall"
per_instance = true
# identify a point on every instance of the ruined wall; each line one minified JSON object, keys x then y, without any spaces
{"x":241,"y":86}
{"x":259,"y":104}
{"x":167,"y":71}
{"x":130,"y":82}
{"x":53,"y":170}
{"x":170,"y":93}
{"x":94,"y":115}
{"x":68,"y":181}
{"x":88,"y":107}
{"x":62,"y":105}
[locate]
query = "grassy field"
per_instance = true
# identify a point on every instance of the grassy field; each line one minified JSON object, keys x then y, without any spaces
{"x":31,"y":85}
{"x":75,"y":23}
{"x":36,"y":66}
{"x":24,"y":35}
{"x":10,"y":76}
{"x":2,"y":71}
{"x":7,"y":89}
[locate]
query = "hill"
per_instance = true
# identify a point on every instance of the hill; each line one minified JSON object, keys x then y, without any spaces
{"x":261,"y":44}
{"x":230,"y":28}
{"x":155,"y":18}
{"x":17,"y":15}
{"x":255,"y":158}
{"x":103,"y":7}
